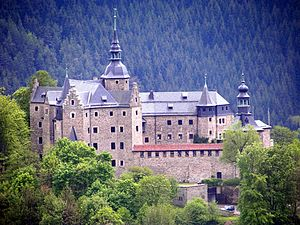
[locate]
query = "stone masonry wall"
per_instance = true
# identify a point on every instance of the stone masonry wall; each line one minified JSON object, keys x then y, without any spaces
{"x":185,"y":168}
{"x":117,"y":84}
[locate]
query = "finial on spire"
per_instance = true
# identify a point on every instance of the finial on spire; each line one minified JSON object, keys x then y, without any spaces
{"x":67,"y":71}
{"x":243,"y":77}
{"x":115,"y":19}
{"x":205,"y":77}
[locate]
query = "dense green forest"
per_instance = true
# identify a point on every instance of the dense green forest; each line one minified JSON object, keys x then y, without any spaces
{"x":167,"y":45}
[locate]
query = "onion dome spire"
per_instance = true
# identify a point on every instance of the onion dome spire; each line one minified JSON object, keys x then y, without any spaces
{"x":243,"y":87}
{"x":115,"y":48}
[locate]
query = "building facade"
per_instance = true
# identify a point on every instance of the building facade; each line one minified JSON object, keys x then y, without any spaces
{"x":154,"y":129}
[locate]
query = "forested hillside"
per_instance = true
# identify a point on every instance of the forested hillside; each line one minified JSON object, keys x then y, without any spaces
{"x":167,"y":45}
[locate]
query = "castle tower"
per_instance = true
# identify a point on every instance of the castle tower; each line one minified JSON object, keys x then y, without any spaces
{"x":115,"y":77}
{"x":243,"y":103}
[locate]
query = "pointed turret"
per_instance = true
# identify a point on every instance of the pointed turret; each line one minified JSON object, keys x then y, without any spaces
{"x":116,"y":75}
{"x":205,"y":99}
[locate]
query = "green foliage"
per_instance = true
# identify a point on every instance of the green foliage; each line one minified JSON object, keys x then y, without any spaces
{"x":76,"y":165}
{"x":236,"y":139}
{"x":106,"y":215}
{"x":198,"y":211}
{"x":267,"y":196}
{"x":14,"y":137}
{"x":44,"y":79}
{"x":232,"y":182}
{"x":52,"y":210}
{"x":159,"y":214}
{"x":153,"y":190}
{"x":137,"y":173}
{"x":212,"y":182}
{"x":283,"y":135}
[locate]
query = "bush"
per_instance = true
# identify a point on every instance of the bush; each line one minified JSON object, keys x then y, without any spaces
{"x":211,"y":182}
{"x":232,"y":182}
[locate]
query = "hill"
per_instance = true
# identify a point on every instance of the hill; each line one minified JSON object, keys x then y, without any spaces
{"x":167,"y":45}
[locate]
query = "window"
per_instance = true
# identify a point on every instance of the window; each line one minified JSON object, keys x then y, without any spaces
{"x":46,"y":111}
{"x":136,"y":99}
{"x":223,"y":120}
{"x":191,"y":122}
{"x":121,"y":163}
{"x":137,"y":128}
{"x":124,"y":113}
{"x":209,"y":109}
{"x":96,"y":114}
{"x":180,"y":136}
{"x":149,"y":154}
{"x":136,"y":112}
{"x":156,"y":154}
{"x":95,"y":145}
{"x":217,"y":153}
{"x":220,"y":120}
{"x":141,"y":154}
{"x":179,"y":122}
{"x":180,"y":198}
{"x":222,"y":108}
{"x":40,"y":124}
{"x":171,"y":153}
{"x":121,"y":145}
{"x":194,"y":153}
{"x":209,"y":153}
{"x":219,"y":175}
{"x":111,"y":113}
{"x":210,"y":132}
{"x":121,"y":129}
{"x":204,"y":109}
{"x":169,"y":137}
{"x":112,"y":129}
{"x":86,"y":115}
{"x":72,"y":115}
{"x":191,"y":136}
{"x":169,"y":122}
{"x":158,"y":136}
{"x":112,"y":145}
{"x":146,"y":139}
{"x":164,"y":154}
{"x":95,"y":130}
{"x":209,"y":119}
{"x":36,"y":108}
{"x":117,"y":82}
{"x":186,"y":153}
{"x":179,"y":153}
{"x":40,"y":140}
{"x":72,"y":102}
{"x":201,"y":153}
{"x":88,"y":130}
{"x":113,"y":163}
{"x":220,"y":136}
{"x":226,"y":108}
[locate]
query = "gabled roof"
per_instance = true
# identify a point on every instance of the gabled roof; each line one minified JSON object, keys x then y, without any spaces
{"x":205,"y":99}
{"x":42,"y":92}
{"x":184,"y":103}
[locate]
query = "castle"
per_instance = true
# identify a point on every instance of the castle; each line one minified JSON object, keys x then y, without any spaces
{"x":154,"y":129}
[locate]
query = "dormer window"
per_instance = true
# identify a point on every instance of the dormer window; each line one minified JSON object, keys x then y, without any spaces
{"x":104,"y":98}
{"x":170,"y":106}
{"x":43,"y":95}
{"x":184,"y":95}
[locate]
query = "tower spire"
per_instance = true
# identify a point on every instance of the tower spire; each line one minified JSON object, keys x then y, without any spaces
{"x":67,"y":75}
{"x":115,"y":49}
{"x":205,"y":77}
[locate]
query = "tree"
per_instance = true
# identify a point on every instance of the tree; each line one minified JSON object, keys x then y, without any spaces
{"x":75,"y":165}
{"x":237,"y":138}
{"x":283,"y":135}
{"x":14,"y":137}
{"x":158,"y":214}
{"x":198,"y":211}
{"x":52,"y":209}
{"x":137,"y":173}
{"x":198,"y":139}
{"x":267,"y":196}
{"x":154,"y":189}
{"x":106,"y":215}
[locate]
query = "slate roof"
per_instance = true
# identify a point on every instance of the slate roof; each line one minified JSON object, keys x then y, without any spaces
{"x":180,"y":105}
{"x":90,"y":92}
{"x":177,"y":147}
{"x":73,"y":136}
{"x":257,"y":124}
